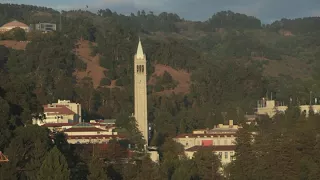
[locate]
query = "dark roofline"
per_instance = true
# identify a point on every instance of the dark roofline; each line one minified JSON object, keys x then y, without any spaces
{"x":212,"y":148}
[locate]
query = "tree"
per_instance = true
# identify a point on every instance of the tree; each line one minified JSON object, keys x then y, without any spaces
{"x":208,"y":164}
{"x":19,"y":34}
{"x":54,"y":166}
{"x":243,"y":167}
{"x":26,"y":151}
{"x":96,"y":170}
{"x":148,"y":169}
{"x":187,"y":170}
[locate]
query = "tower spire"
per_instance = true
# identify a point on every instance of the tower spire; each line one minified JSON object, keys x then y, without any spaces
{"x":139,"y":54}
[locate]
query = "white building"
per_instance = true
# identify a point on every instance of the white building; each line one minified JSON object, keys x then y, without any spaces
{"x":220,"y":140}
{"x":225,"y":153}
{"x":46,"y":27}
{"x":270,"y":108}
{"x":140,"y":92}
{"x":62,"y":112}
{"x":221,"y":135}
{"x":85,"y":133}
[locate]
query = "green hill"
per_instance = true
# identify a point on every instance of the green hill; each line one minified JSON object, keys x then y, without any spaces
{"x":199,"y":74}
{"x":233,"y":60}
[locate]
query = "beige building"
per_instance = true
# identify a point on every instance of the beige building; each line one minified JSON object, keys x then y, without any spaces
{"x":75,"y":107}
{"x":225,"y":153}
{"x":14,"y":24}
{"x":221,"y":135}
{"x":62,"y":112}
{"x":85,"y":133}
{"x":270,"y":108}
{"x":140,"y":92}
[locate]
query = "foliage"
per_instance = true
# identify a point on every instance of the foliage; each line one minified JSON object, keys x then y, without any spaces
{"x":54,"y":166}
{"x":105,"y":82}
{"x":96,"y":169}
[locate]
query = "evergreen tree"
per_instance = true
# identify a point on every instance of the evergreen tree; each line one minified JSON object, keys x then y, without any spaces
{"x":243,"y":166}
{"x":54,"y":167}
{"x":148,"y":169}
{"x":96,"y":170}
{"x":187,"y":170}
{"x":208,"y":164}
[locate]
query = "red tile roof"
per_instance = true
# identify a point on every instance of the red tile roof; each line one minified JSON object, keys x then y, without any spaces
{"x":213,"y":148}
{"x":15,"y":24}
{"x":94,"y":136}
{"x":83,"y":129}
{"x":58,"y":124}
{"x":58,"y":110}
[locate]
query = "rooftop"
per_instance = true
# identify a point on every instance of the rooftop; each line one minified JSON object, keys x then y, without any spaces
{"x":94,"y":136}
{"x":59,"y":110}
{"x":15,"y":24}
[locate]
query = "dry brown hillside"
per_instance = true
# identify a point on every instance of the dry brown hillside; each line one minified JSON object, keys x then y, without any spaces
{"x":18,"y":45}
{"x":94,"y":70}
{"x":181,"y":76}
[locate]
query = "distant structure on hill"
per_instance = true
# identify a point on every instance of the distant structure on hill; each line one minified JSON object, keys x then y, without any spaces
{"x":61,"y":112}
{"x":45,"y":27}
{"x":14,"y":24}
{"x":271,"y":107}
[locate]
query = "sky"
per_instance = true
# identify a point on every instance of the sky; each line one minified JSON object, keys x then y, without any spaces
{"x":266,"y":10}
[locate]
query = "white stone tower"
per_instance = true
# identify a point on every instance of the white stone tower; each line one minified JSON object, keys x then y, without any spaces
{"x":140,"y":91}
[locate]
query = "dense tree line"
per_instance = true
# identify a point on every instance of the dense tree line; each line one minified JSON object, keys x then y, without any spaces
{"x":226,"y":81}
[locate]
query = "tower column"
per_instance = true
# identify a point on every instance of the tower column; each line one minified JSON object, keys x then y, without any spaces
{"x":140,"y":92}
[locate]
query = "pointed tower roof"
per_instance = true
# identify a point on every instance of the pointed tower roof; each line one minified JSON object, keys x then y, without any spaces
{"x":139,"y":53}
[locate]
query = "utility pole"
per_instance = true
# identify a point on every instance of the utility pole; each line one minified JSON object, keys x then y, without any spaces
{"x":60,"y":21}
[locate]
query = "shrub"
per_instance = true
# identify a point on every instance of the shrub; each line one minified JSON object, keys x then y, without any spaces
{"x":119,"y":82}
{"x":105,"y":82}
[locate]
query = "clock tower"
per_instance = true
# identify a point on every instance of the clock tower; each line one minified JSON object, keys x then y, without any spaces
{"x":140,"y":92}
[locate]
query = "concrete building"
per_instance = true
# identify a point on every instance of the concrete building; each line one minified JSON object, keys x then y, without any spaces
{"x":45,"y":27}
{"x":14,"y":24}
{"x":86,"y":133}
{"x":221,"y":135}
{"x":75,"y":107}
{"x":271,"y":107}
{"x":140,"y":92}
{"x":61,"y":112}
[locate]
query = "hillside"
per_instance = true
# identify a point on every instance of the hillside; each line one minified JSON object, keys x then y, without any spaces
{"x":225,"y":63}
{"x":200,"y":74}
{"x":93,"y":70}
{"x":182,"y":78}
{"x":97,"y":73}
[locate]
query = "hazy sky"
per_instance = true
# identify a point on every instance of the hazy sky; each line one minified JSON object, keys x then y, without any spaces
{"x":266,"y":10}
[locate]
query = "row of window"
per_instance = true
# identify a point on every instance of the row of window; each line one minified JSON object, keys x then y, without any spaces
{"x":226,"y":155}
{"x":219,"y":136}
{"x":225,"y":142}
{"x":140,"y":68}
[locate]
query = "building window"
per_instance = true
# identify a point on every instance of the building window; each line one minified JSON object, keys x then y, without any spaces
{"x":220,"y":155}
{"x":225,"y":155}
{"x":140,"y":68}
{"x":231,"y":155}
{"x":225,"y":142}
